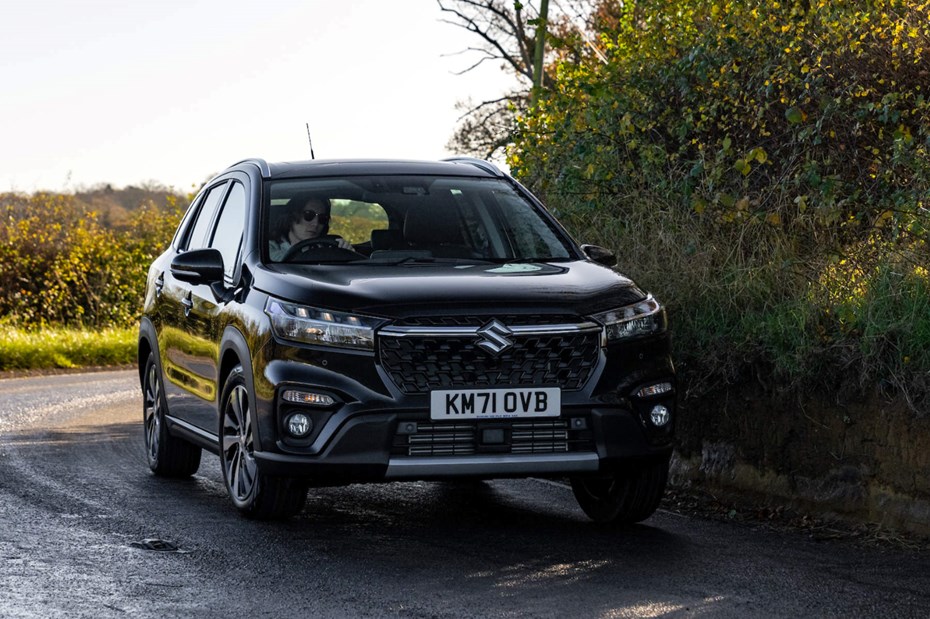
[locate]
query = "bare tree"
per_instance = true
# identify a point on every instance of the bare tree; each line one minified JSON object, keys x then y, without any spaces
{"x":504,"y":37}
{"x":485,"y":129}
{"x":501,"y":30}
{"x":505,"y":34}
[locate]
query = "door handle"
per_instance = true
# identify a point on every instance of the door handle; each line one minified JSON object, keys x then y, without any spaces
{"x":188,"y":304}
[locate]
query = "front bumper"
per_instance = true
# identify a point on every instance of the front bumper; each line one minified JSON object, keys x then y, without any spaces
{"x":375,"y":447}
{"x":375,"y":432}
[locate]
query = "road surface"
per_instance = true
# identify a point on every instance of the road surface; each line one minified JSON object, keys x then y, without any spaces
{"x":77,"y":500}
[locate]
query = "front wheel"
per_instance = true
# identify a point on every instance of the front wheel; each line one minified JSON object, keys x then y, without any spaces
{"x":168,"y":456}
{"x":254,"y":494}
{"x":623,"y":498}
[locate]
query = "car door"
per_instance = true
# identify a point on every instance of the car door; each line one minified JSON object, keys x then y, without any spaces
{"x":190,"y":382}
{"x":205,"y":318}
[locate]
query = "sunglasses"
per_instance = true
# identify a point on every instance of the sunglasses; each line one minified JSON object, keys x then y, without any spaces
{"x":323,"y":218}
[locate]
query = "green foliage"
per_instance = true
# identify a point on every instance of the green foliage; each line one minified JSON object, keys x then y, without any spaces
{"x":66,"y":348}
{"x":765,"y":167}
{"x":60,"y":266}
{"x":354,"y":220}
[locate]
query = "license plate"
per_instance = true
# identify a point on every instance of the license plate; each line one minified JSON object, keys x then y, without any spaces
{"x":495,"y":403}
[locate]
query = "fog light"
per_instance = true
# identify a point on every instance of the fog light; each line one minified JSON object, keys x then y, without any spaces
{"x":656,"y":389}
{"x":308,"y":397}
{"x":299,"y":425}
{"x":659,"y":415}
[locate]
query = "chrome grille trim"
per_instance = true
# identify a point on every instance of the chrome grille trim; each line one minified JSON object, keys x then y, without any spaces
{"x":399,"y":331}
{"x":441,"y":440}
{"x":476,"y":320}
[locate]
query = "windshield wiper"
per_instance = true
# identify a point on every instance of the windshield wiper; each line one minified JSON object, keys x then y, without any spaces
{"x":358,"y":260}
{"x":412,"y":260}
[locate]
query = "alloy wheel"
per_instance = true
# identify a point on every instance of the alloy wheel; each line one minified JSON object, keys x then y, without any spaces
{"x":152,"y":413}
{"x":238,"y":445}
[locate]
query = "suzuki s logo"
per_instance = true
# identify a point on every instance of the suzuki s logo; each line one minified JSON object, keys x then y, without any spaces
{"x":495,"y":337}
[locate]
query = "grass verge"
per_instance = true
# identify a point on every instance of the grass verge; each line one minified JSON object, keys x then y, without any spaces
{"x":65,"y":348}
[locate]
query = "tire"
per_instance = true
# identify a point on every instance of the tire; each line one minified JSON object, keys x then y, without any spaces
{"x":168,"y":456}
{"x":624,"y":498}
{"x":255,"y":495}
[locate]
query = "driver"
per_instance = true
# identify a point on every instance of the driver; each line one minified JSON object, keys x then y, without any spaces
{"x":306,"y":219}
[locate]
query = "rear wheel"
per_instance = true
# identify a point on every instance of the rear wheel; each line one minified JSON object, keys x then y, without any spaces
{"x":625,"y":497}
{"x":254,"y":494}
{"x":168,"y":456}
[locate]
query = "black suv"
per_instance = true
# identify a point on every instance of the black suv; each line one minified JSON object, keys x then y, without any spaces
{"x":441,"y":325}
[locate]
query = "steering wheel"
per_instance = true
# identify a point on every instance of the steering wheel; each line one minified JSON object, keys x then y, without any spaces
{"x":327,"y":240}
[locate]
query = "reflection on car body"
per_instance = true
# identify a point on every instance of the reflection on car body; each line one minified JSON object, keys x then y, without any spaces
{"x":433,"y":321}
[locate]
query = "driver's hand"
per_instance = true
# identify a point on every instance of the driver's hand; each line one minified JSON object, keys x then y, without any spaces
{"x":344,"y":244}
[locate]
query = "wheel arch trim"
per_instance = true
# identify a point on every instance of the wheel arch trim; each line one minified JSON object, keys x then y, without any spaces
{"x":234,"y":350}
{"x":148,"y":343}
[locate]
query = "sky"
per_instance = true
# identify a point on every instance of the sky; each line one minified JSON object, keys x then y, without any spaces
{"x":171,"y":92}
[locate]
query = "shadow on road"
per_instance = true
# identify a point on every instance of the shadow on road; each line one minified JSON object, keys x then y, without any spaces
{"x":508,"y":547}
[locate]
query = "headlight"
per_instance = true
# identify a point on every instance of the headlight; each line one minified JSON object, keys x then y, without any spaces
{"x":643,"y":318}
{"x":313,"y":325}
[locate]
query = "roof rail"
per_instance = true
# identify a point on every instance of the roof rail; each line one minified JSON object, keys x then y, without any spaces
{"x":487,"y":166}
{"x":261,"y":164}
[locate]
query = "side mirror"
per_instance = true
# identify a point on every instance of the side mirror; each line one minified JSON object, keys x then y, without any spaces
{"x":600,"y":255}
{"x":198,"y":266}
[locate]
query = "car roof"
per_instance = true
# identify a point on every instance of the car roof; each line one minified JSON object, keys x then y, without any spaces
{"x":460,"y":166}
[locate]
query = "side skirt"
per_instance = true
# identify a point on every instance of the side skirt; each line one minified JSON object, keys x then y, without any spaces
{"x":192,"y":434}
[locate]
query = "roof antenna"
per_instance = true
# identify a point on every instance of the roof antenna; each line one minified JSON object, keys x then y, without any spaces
{"x":312,"y":156}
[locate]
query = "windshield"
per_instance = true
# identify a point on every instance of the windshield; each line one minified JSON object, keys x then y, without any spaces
{"x":405,"y":219}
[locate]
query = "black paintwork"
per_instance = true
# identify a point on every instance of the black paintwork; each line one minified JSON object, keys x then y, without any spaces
{"x":200,"y":330}
{"x":577,"y":286}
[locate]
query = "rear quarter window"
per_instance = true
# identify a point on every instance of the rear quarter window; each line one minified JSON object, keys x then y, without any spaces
{"x":354,"y":220}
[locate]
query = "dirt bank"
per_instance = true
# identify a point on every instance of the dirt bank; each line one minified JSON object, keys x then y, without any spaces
{"x":864,"y":461}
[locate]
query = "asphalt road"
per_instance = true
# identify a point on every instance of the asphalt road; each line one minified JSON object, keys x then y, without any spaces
{"x":76,"y":497}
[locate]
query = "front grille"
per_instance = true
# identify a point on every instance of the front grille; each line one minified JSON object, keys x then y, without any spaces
{"x":539,"y":437}
{"x":449,"y":440}
{"x":464,"y":439}
{"x":435,"y":360}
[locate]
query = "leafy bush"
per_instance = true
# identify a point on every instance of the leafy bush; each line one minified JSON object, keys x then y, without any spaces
{"x":765,"y":167}
{"x":60,"y":266}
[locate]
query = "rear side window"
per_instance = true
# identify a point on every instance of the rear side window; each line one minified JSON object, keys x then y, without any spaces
{"x":197,"y":239}
{"x":227,"y":236}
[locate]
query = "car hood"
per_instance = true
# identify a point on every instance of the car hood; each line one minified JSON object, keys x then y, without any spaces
{"x":401,"y":290}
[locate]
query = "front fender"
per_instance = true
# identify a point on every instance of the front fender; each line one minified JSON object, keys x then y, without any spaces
{"x":234,"y":350}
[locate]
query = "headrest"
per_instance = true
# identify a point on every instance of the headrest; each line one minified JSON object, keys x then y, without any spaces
{"x":427,"y":224}
{"x":386,"y":239}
